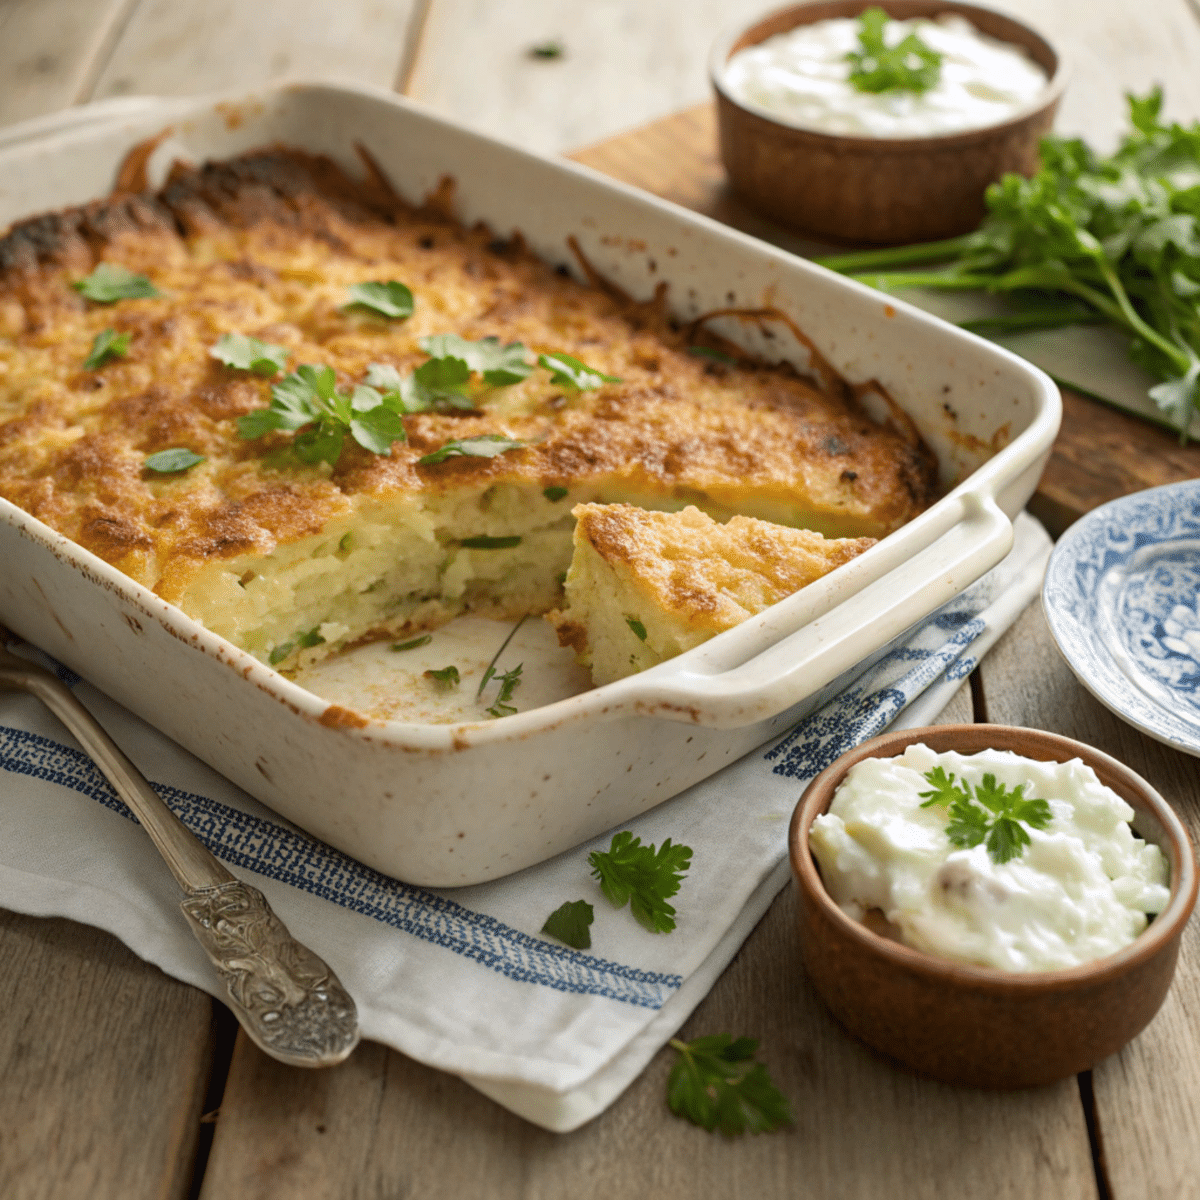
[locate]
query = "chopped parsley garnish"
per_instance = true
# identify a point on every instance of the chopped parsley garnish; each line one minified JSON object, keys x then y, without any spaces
{"x":391,"y":299}
{"x":709,"y":352}
{"x":994,"y":814}
{"x":423,"y":640}
{"x":571,"y":923}
{"x":716,"y":1083}
{"x":641,"y":877}
{"x":509,"y":682}
{"x":110,"y":282}
{"x":249,"y":354}
{"x":485,"y":445}
{"x":169,"y":462}
{"x":547,"y":50}
{"x":107,"y":345}
{"x":638,"y":628}
{"x":498,"y":365}
{"x":346,"y":541}
{"x":568,"y":371}
{"x":908,"y":66}
{"x":309,"y":401}
{"x":300,"y":641}
{"x":446,"y":678}
{"x":484,"y":542}
{"x":554,"y":494}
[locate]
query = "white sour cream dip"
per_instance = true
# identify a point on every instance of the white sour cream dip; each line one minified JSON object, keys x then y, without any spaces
{"x":801,"y":78}
{"x":1079,"y":891}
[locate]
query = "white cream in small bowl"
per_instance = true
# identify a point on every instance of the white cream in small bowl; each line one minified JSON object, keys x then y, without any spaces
{"x":1081,"y":889}
{"x":801,"y":77}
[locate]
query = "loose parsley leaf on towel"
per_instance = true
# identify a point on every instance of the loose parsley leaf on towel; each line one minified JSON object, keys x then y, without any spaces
{"x":716,"y":1083}
{"x":908,"y":66}
{"x":107,"y":345}
{"x":571,"y":923}
{"x":111,"y":282}
{"x":642,"y":877}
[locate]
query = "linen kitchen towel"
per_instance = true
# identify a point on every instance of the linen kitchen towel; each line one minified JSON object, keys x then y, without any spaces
{"x":462,"y":979}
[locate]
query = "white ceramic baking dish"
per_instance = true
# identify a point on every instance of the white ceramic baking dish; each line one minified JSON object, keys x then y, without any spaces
{"x":454,"y":804}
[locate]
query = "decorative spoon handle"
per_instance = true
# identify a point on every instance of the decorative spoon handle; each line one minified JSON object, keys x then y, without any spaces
{"x":288,"y":1000}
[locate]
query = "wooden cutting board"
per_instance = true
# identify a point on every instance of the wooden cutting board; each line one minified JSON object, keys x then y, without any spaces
{"x":1101,"y":453}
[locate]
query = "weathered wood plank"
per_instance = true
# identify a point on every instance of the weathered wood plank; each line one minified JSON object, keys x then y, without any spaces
{"x":50,"y":51}
{"x":627,"y":63}
{"x":382,"y":1125}
{"x":1147,"y":1101}
{"x":103,"y":1063}
{"x":168,"y":48}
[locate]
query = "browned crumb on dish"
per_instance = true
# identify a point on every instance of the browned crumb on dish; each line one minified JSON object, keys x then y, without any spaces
{"x":266,"y":245}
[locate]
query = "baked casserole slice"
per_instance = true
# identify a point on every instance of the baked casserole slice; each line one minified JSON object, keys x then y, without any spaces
{"x":289,"y":555}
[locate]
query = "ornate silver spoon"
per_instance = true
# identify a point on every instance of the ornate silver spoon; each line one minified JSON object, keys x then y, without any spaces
{"x":288,"y":1000}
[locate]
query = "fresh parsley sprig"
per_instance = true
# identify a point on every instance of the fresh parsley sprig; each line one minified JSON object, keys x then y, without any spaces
{"x":509,"y":681}
{"x":642,"y":877}
{"x":390,"y":298}
{"x":172,"y":461}
{"x":309,"y":403}
{"x":107,"y":345}
{"x":908,"y":66}
{"x":993,"y":815}
{"x":568,"y":371}
{"x":446,"y":678}
{"x":484,"y":445}
{"x":571,"y":923}
{"x":1087,"y":237}
{"x":110,"y":282}
{"x":497,"y":365}
{"x":249,"y":354}
{"x":717,"y":1083}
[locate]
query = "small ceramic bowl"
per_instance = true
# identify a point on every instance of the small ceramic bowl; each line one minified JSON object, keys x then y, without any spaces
{"x":883,"y":190}
{"x":976,"y":1025}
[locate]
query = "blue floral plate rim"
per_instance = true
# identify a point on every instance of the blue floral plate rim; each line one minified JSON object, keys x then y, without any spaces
{"x":1121,"y":598}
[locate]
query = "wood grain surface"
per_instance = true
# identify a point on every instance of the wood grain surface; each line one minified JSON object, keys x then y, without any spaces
{"x":103,"y":1065}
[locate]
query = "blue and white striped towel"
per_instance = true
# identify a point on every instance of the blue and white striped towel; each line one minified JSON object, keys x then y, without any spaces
{"x":461,"y":979}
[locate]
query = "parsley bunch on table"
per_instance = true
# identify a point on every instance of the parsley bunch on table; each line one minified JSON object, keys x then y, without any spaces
{"x":1088,"y":238}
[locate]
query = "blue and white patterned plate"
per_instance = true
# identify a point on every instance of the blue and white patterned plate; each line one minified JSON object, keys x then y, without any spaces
{"x":1122,"y":595}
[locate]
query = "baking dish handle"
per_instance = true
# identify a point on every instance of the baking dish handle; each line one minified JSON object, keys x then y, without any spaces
{"x":816,"y":654}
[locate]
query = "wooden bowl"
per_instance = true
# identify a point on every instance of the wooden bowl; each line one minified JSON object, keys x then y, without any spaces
{"x":975,"y":1025}
{"x":883,"y":190}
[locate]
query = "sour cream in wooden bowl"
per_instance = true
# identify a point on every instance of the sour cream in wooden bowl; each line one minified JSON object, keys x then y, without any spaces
{"x":983,"y":1025}
{"x":803,"y":77}
{"x":824,"y":158}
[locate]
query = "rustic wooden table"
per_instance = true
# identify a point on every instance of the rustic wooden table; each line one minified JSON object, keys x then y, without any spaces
{"x":116,"y":1081}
